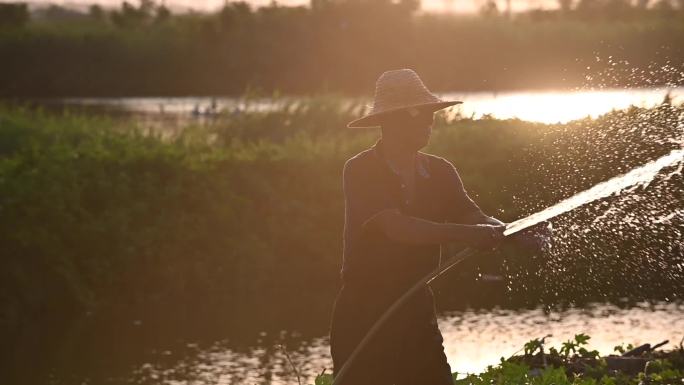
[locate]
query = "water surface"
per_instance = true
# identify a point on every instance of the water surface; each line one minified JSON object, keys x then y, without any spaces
{"x":473,"y":339}
{"x":536,"y":106}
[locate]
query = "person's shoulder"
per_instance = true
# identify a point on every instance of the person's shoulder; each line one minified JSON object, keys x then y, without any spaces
{"x":358,"y":161}
{"x":442,"y":170}
{"x":437,"y":163}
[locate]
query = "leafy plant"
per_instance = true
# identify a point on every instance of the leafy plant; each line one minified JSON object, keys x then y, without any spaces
{"x":575,"y":346}
{"x":622,"y":348}
{"x":323,"y":379}
{"x":659,"y":371}
{"x":532,"y":346}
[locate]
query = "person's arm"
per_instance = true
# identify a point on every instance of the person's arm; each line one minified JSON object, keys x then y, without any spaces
{"x":480,"y":217}
{"x":362,"y":217}
{"x":462,"y":208}
{"x":403,"y":228}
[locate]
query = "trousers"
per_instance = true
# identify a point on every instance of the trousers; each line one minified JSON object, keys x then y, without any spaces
{"x":406,"y":350}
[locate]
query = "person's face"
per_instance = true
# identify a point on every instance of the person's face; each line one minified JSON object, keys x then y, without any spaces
{"x":409,"y":127}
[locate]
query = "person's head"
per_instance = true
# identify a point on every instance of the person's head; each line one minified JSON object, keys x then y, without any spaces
{"x":408,"y":128}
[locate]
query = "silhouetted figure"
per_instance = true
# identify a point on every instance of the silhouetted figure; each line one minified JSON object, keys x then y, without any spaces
{"x":400,"y":205}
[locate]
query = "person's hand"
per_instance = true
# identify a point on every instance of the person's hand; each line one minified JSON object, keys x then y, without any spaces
{"x":534,"y":239}
{"x":487,"y":237}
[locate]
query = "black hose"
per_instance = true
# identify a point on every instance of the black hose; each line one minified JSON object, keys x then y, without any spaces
{"x":453,"y":261}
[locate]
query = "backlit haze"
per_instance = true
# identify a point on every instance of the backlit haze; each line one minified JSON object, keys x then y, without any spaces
{"x":447,"y":6}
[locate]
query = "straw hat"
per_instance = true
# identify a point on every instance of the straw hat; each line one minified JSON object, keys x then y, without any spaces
{"x":396,"y":90}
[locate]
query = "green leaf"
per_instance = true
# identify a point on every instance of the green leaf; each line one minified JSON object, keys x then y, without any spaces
{"x":324,"y":379}
{"x":581,"y":338}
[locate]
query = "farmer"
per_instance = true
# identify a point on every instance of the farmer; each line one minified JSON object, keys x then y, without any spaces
{"x":400,"y":205}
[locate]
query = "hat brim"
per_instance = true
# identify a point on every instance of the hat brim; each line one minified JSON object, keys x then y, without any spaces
{"x":374,"y":120}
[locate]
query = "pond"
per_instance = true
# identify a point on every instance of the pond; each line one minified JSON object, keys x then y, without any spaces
{"x":473,"y":339}
{"x":545,"y":106}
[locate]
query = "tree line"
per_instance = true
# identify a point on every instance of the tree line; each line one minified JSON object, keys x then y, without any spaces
{"x":329,"y":46}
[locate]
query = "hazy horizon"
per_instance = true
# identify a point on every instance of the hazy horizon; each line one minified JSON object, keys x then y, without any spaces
{"x":441,"y":6}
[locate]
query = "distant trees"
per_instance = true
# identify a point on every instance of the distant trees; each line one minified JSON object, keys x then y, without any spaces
{"x":617,"y":9}
{"x":666,"y":6}
{"x":137,"y":13}
{"x":96,"y":12}
{"x":128,"y":15}
{"x":565,"y":5}
{"x":13,"y":15}
{"x":334,"y":45}
{"x":406,"y":5}
{"x":489,"y":9}
{"x":146,"y":12}
{"x":611,"y":7}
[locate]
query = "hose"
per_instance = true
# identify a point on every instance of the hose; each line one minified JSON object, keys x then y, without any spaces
{"x":453,"y":261}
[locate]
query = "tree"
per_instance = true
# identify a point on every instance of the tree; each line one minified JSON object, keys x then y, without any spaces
{"x":410,"y":6}
{"x":642,"y":4}
{"x":565,"y":5}
{"x":13,"y":15}
{"x":489,"y":8}
{"x":163,"y":13}
{"x":96,"y":12}
{"x":131,"y":16}
{"x":664,"y":6}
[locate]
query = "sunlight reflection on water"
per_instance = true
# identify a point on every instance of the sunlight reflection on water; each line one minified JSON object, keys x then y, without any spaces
{"x":535,"y":106}
{"x":556,"y":106}
{"x":472,"y":340}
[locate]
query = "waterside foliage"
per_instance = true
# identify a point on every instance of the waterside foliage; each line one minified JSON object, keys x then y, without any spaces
{"x":571,"y":364}
{"x":99,"y":213}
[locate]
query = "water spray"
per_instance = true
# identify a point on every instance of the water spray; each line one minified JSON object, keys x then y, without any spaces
{"x":640,"y":176}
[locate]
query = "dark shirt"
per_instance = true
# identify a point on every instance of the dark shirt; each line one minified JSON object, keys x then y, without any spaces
{"x":370,"y":259}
